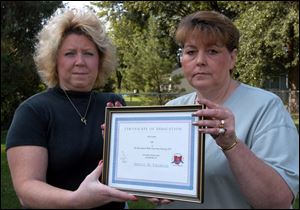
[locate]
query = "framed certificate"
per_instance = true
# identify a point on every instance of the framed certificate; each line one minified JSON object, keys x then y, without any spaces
{"x":154,"y":151}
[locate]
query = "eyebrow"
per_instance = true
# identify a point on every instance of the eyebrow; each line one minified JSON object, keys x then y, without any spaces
{"x":87,"y":49}
{"x":194,"y":46}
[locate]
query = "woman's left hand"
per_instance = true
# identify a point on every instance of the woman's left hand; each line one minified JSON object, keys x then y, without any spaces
{"x":218,"y":122}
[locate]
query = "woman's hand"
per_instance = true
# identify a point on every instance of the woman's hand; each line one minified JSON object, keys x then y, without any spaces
{"x":110,"y":104}
{"x":218,"y":122}
{"x":92,"y":193}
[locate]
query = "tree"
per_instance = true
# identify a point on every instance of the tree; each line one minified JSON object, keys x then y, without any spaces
{"x":150,"y":65}
{"x":270,"y":43}
{"x":20,"y":21}
{"x":143,"y":34}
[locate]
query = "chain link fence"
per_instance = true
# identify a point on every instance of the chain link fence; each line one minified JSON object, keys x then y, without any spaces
{"x":289,"y":98}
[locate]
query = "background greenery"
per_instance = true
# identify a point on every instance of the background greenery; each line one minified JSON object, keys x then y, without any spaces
{"x":143,"y":33}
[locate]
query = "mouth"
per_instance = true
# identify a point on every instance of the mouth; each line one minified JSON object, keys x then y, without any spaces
{"x":200,"y":74}
{"x":79,"y":73}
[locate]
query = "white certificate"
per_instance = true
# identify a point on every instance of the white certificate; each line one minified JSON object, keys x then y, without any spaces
{"x":154,"y":152}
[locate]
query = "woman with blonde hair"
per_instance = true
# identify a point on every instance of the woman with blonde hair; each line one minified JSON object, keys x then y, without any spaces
{"x":54,"y":144}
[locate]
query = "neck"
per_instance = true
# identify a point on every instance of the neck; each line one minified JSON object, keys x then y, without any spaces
{"x":83,"y":116}
{"x":74,"y":89}
{"x":219,"y":95}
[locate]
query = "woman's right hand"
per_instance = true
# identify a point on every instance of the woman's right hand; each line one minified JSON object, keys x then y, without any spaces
{"x":92,"y":193}
{"x":110,"y":104}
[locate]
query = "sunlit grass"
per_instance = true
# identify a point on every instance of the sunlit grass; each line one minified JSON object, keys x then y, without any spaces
{"x":133,"y":100}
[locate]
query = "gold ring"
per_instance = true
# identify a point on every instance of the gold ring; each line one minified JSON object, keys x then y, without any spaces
{"x":222,"y":124}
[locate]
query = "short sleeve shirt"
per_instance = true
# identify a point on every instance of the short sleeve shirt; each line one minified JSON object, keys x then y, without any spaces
{"x":264,"y":125}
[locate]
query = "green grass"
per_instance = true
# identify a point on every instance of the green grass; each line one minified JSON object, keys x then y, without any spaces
{"x":296,"y":204}
{"x":8,"y":196}
{"x":141,"y":204}
{"x":133,"y":100}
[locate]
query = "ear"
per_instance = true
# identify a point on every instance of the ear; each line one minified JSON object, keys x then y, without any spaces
{"x":233,"y":57}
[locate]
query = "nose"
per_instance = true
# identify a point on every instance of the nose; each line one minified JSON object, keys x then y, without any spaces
{"x":201,"y":59}
{"x":79,"y":60}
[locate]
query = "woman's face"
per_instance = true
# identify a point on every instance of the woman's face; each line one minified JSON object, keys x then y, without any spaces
{"x":77,"y":63}
{"x":206,"y":67}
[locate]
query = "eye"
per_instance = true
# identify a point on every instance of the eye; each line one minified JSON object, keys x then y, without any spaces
{"x":212,"y":52}
{"x":69,"y":53}
{"x":89,"y":53}
{"x":189,"y":52}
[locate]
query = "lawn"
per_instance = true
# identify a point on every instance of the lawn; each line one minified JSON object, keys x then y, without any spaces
{"x":133,"y":100}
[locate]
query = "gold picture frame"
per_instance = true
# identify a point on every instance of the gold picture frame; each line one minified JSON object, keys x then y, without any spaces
{"x":154,"y":151}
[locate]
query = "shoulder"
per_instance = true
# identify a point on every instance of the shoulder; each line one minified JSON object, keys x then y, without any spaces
{"x":257,"y":92}
{"x":265,"y":110}
{"x":36,"y":100}
{"x":109,"y":97}
{"x":259,"y":96}
{"x":184,"y":99}
{"x":40,"y":103}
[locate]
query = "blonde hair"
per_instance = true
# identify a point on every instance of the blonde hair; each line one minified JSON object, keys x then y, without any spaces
{"x":51,"y":36}
{"x":211,"y":27}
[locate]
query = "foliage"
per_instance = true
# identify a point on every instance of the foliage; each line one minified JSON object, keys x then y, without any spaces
{"x":143,"y":32}
{"x":269,"y":44}
{"x":20,"y":21}
{"x":267,"y":31}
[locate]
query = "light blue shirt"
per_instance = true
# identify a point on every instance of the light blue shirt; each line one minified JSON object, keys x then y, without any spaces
{"x":263,"y":123}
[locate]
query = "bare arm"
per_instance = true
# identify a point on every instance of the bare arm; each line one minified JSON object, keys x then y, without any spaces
{"x":261,"y":184}
{"x":28,"y":166}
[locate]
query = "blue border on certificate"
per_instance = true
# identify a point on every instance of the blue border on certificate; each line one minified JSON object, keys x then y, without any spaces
{"x":188,"y":186}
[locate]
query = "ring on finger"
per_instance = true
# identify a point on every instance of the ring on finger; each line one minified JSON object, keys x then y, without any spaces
{"x":222,"y":122}
{"x":222,"y":131}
